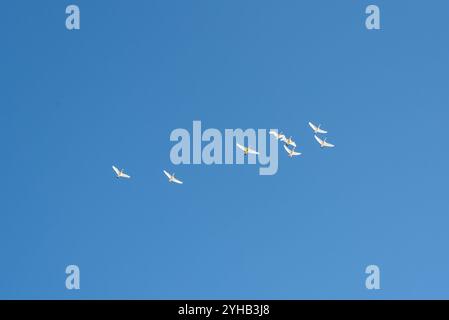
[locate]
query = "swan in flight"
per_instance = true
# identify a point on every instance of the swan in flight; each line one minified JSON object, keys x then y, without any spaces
{"x":291,"y":152}
{"x":278,"y":136}
{"x":323,"y":143}
{"x":316,"y":129}
{"x":171,"y":178}
{"x":120,"y":173}
{"x":289,"y":142}
{"x":247,"y":150}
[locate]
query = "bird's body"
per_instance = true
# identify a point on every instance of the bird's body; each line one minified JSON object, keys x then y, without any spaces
{"x":247,"y":150}
{"x":120,"y":173}
{"x":323,"y":143}
{"x":316,"y":129}
{"x":171,"y":178}
{"x":289,"y":142}
{"x":291,"y":152}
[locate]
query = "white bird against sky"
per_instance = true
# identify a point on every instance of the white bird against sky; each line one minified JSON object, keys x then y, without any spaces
{"x":289,"y":142}
{"x":323,"y":143}
{"x":247,"y":150}
{"x":316,"y":129}
{"x":291,"y":152}
{"x":171,"y":178}
{"x":278,"y":136}
{"x":120,"y":173}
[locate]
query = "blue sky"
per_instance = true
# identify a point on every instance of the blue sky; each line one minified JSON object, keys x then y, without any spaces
{"x":75,"y":102}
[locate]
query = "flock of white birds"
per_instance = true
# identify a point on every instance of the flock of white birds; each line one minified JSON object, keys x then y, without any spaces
{"x":288,"y":142}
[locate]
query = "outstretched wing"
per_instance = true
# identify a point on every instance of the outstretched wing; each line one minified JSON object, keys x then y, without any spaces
{"x":274,"y":133}
{"x":287,"y":149}
{"x":176,"y":181}
{"x":314,"y":127}
{"x":329,"y":145}
{"x":123,"y":175}
{"x":319,"y":140}
{"x":240,"y":147}
{"x":117,"y":171}
{"x":292,"y":152}
{"x":252,"y":151}
{"x":167,"y":174}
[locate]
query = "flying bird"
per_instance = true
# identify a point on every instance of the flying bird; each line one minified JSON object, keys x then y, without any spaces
{"x":171,"y":178}
{"x":278,"y":136}
{"x":316,"y":129}
{"x":289,"y":142}
{"x":291,"y":152}
{"x":120,"y":173}
{"x":323,"y":143}
{"x":247,"y":150}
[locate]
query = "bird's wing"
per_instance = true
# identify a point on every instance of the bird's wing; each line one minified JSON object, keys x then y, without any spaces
{"x":294,"y":153}
{"x":117,"y":171}
{"x":167,"y":174}
{"x":177,"y":181}
{"x":123,"y":175}
{"x":292,"y":143}
{"x":241,"y":147}
{"x":321,"y":131}
{"x":319,"y":140}
{"x":327,"y":144}
{"x":287,"y":149}
{"x":274,"y":133}
{"x":252,"y":151}
{"x":314,"y":127}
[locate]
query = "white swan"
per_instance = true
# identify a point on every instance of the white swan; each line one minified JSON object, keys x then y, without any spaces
{"x":247,"y":150}
{"x":171,"y":178}
{"x":290,"y":142}
{"x":120,"y":173}
{"x":278,"y":136}
{"x":323,"y":143}
{"x":316,"y":129}
{"x":291,"y":152}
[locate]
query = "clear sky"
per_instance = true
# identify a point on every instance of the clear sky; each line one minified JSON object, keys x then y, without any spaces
{"x":73,"y":103}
